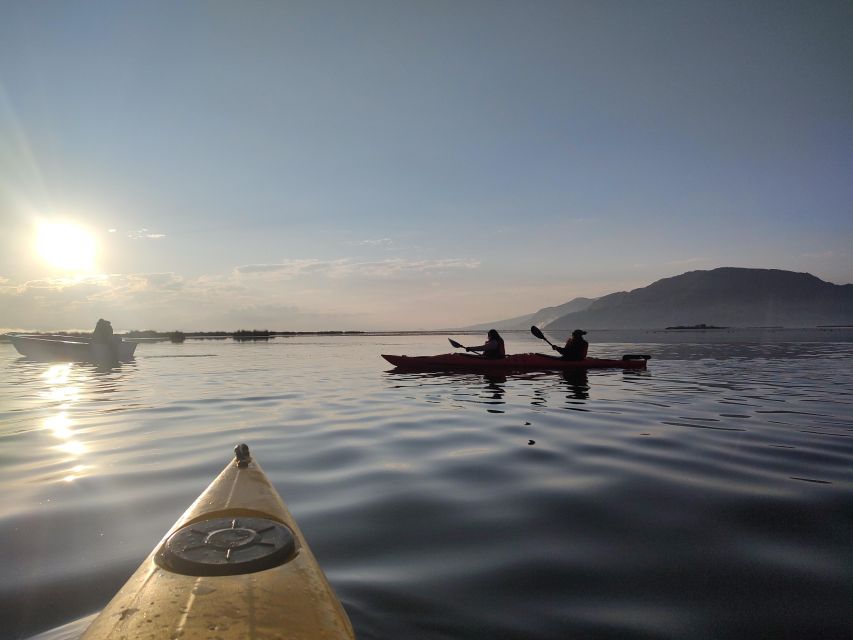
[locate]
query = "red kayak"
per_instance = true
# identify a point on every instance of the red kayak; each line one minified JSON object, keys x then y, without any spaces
{"x":517,"y":362}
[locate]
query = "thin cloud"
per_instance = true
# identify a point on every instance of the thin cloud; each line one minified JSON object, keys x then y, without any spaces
{"x":346,"y":267}
{"x":285,"y":268}
{"x":141,"y":234}
{"x":155,"y":281}
{"x":396,"y":266}
{"x":378,"y":242}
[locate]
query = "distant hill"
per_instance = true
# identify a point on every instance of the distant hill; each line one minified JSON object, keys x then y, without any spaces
{"x":542,"y":317}
{"x":728,"y":296}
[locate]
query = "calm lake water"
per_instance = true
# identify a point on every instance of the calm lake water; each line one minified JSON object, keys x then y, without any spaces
{"x":709,"y":497}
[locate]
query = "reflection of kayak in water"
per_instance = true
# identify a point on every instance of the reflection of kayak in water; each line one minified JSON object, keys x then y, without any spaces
{"x":72,"y":348}
{"x":517,"y":362}
{"x":235,"y":565}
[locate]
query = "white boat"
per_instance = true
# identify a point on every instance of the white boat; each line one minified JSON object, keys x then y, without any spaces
{"x":72,"y":348}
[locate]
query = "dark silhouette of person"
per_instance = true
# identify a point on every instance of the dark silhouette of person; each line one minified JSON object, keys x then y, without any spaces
{"x":493,"y":348}
{"x":576,"y":347}
{"x":103,"y":332}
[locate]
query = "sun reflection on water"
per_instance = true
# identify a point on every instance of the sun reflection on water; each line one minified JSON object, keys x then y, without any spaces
{"x":76,"y":472}
{"x":63,"y":394}
{"x":59,"y":390}
{"x":58,"y":373}
{"x":60,"y":425}
{"x":73,"y":448}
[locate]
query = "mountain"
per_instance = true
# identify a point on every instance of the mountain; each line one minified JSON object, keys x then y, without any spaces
{"x":541,"y":317}
{"x":728,"y":296}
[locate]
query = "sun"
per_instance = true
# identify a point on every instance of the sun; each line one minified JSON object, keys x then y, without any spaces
{"x":66,"y":246}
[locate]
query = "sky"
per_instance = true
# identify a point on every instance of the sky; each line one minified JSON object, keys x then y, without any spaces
{"x":409,"y":165}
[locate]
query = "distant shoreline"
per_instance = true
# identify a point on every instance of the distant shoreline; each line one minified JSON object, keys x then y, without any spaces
{"x":699,"y":327}
{"x":261,"y":335}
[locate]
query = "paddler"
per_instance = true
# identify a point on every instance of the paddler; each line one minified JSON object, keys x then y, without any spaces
{"x":103,"y":332}
{"x":493,"y":348}
{"x":576,"y":347}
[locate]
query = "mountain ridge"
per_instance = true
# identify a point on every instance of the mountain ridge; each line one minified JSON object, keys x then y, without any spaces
{"x":544,"y":316}
{"x":725,"y":296}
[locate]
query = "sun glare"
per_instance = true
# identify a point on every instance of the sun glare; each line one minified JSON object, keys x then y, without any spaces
{"x":66,"y":246}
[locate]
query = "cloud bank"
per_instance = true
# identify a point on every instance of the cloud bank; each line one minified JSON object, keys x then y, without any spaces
{"x":297,"y":294}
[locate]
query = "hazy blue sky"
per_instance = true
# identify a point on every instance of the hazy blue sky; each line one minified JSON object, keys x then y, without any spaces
{"x":358,"y":165}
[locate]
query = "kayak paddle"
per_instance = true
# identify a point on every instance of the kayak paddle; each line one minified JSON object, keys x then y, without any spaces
{"x":536,"y":332}
{"x":456,"y":344}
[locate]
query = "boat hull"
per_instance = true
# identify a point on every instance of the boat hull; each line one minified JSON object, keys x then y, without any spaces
{"x":60,"y":348}
{"x":517,"y":362}
{"x":164,"y":599}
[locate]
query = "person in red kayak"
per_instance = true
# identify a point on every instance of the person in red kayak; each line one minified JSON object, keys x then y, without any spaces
{"x":576,"y":347}
{"x":494,"y":347}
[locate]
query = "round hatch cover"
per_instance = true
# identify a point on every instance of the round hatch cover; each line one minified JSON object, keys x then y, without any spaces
{"x":227,"y":546}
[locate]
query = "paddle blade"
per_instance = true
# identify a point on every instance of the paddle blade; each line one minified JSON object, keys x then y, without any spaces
{"x":455,"y":344}
{"x":536,"y":332}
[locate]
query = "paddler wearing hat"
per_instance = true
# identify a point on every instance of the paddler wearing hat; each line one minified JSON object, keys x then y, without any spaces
{"x":576,"y":347}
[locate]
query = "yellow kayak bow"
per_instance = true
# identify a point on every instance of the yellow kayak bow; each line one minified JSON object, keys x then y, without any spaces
{"x":235,"y":565}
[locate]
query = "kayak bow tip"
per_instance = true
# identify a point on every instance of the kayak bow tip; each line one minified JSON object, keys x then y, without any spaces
{"x":242,"y":455}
